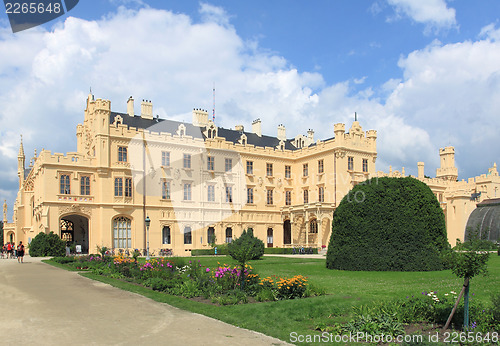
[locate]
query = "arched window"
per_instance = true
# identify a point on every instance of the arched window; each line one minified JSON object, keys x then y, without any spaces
{"x":122,"y":233}
{"x":229,"y":235}
{"x":188,"y":239}
{"x":165,"y":235}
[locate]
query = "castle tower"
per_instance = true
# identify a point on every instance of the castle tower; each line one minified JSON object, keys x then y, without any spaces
{"x":20,"y":163}
{"x":447,"y":171}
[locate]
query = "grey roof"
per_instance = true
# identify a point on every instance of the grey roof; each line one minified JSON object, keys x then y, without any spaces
{"x":484,"y":221}
{"x":171,"y":126}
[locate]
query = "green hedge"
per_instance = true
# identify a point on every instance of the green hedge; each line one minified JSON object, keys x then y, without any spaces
{"x":388,"y":224}
{"x":222,"y":250}
{"x":286,"y":251}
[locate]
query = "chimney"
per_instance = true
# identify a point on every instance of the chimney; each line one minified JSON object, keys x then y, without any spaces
{"x":420,"y":170}
{"x":147,"y":109}
{"x":239,"y":128}
{"x":200,"y":117}
{"x":130,"y":106}
{"x":257,"y":127}
{"x":310,"y":135}
{"x":281,"y":132}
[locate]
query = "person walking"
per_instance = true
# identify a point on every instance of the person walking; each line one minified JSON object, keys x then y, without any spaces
{"x":20,"y":252}
{"x":9,"y":250}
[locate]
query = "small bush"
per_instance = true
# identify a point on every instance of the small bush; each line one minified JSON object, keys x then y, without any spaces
{"x":64,"y":260}
{"x":47,"y":245}
{"x":246,"y":247}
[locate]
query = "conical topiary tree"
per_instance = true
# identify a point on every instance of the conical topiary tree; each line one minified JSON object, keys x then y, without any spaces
{"x":388,"y":224}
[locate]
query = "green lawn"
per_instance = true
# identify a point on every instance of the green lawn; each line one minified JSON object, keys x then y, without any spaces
{"x":344,"y":290}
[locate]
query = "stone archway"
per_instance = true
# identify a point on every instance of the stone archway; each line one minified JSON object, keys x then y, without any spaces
{"x":74,"y":228}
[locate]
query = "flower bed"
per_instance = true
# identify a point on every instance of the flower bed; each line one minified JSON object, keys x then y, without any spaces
{"x":223,"y":284}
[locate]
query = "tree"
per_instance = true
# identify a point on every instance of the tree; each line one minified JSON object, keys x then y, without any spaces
{"x":466,"y":265}
{"x":388,"y":224}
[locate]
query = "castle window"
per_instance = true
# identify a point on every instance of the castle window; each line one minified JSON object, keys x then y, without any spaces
{"x":165,"y":190}
{"x":122,"y":233}
{"x":288,"y":197}
{"x":250,"y":195}
{"x":128,"y":187}
{"x":250,"y":167}
{"x":187,"y":161}
{"x":228,"y":165}
{"x":269,"y":196}
{"x":321,"y":167}
{"x":188,"y":237}
{"x":306,"y":196}
{"x":64,"y":184}
{"x":288,"y":172}
{"x":118,"y":187}
{"x":211,"y":235}
{"x":321,"y":194}
{"x":165,"y":235}
{"x":365,"y":165}
{"x":122,"y":154}
{"x":211,"y":193}
{"x":210,"y":163}
{"x":85,"y":185}
{"x":165,"y":158}
{"x":229,"y":194}
{"x":305,"y":169}
{"x":269,"y":169}
{"x":269,"y":237}
{"x":187,"y":192}
{"x":350,"y":163}
{"x":229,"y":234}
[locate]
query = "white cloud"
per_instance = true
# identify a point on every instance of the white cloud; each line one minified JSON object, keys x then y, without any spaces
{"x":450,"y":94}
{"x":435,"y":14}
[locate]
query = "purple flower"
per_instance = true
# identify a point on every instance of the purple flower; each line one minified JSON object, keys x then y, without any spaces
{"x":207,"y":270}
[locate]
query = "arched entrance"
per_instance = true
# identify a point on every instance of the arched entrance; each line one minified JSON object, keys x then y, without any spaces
{"x":287,"y":232}
{"x":10,"y":237}
{"x":75,"y":229}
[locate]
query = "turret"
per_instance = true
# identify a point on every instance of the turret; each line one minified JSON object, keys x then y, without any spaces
{"x":447,"y":171}
{"x":20,"y":163}
{"x":421,"y":174}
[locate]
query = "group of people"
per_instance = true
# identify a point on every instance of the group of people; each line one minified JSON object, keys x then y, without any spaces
{"x":9,"y":250}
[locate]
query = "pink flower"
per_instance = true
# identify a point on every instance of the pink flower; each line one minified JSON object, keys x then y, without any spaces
{"x":207,"y":270}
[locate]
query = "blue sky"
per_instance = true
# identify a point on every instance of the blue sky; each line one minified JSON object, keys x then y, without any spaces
{"x":425,"y":74}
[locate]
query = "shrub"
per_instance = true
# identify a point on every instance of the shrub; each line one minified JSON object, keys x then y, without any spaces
{"x":246,"y":247}
{"x":388,"y":224}
{"x":47,"y":245}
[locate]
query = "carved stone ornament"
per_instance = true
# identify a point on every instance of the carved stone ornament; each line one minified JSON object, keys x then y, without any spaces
{"x":177,"y":174}
{"x":75,"y":208}
{"x":260,"y":181}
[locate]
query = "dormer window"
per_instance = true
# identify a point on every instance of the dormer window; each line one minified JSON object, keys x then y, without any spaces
{"x":181,"y":131}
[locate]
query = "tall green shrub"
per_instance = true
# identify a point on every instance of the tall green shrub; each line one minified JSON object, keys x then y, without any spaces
{"x":388,"y":224}
{"x":47,"y":245}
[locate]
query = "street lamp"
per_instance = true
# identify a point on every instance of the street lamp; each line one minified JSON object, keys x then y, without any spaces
{"x":147,"y":221}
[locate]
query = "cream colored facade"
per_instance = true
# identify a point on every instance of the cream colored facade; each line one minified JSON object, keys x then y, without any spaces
{"x":284,"y":189}
{"x":199,"y":183}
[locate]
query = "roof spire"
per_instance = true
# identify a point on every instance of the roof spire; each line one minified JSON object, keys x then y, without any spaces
{"x":355,"y":116}
{"x":21,"y":148}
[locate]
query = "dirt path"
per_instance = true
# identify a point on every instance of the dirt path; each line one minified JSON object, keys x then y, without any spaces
{"x":51,"y":306}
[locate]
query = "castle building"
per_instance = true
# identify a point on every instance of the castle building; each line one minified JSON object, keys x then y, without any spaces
{"x":200,"y":184}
